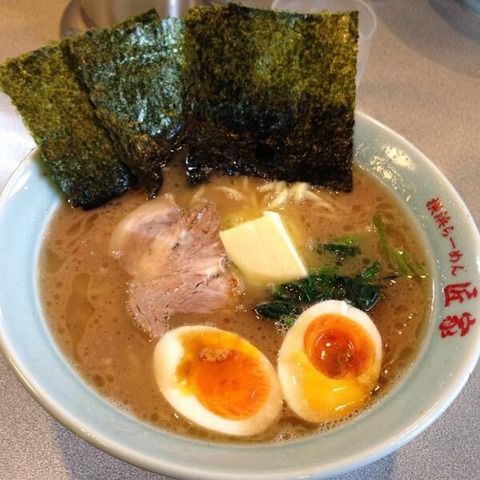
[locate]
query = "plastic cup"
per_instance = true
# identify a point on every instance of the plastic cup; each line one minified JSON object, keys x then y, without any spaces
{"x":109,"y":12}
{"x":366,"y":26}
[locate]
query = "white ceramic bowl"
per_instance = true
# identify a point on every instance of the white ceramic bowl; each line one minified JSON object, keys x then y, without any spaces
{"x":442,"y":368}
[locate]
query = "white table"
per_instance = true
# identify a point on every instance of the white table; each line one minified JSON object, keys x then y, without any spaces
{"x":423,"y":80}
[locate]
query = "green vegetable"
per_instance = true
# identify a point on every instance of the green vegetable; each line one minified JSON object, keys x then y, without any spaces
{"x":284,"y":311}
{"x":343,"y":247}
{"x":270,"y":94}
{"x":370,"y":272}
{"x":400,"y":260}
{"x":291,"y":298}
{"x":77,"y":151}
{"x":132,"y":75}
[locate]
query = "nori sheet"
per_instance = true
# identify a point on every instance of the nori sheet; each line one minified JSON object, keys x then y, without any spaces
{"x":249,"y":91}
{"x":270,"y":94}
{"x":132,"y":75}
{"x":76,"y":150}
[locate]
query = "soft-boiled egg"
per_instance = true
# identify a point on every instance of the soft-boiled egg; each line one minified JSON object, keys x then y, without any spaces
{"x":217,"y":379}
{"x":329,"y":361}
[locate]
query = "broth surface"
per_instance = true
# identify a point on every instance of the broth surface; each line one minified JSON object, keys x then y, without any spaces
{"x":83,"y":290}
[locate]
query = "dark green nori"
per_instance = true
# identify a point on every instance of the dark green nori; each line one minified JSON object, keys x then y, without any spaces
{"x":270,"y":94}
{"x":76,"y":149}
{"x":261,"y":93}
{"x":132,"y":75}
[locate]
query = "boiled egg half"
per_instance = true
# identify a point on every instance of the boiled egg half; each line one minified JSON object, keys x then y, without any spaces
{"x":329,"y":361}
{"x":217,"y":379}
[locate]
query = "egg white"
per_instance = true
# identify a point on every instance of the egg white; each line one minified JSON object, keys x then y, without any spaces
{"x":292,"y":361}
{"x":169,"y":353}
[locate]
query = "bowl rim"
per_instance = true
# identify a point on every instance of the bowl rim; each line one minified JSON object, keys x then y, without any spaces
{"x":174,"y":469}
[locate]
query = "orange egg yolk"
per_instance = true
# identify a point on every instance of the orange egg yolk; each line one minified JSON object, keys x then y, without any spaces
{"x":227,"y":379}
{"x":338,"y":347}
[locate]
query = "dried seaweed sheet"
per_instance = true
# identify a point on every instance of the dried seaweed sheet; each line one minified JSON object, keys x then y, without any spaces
{"x":132,"y":75}
{"x":270,"y":94}
{"x":76,"y":149}
{"x":260,"y":93}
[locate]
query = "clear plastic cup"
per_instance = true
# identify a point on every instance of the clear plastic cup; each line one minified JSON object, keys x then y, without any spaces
{"x":366,"y":26}
{"x":101,"y":13}
{"x":109,"y":12}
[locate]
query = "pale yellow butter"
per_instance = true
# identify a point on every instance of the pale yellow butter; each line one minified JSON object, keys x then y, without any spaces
{"x":263,"y":251}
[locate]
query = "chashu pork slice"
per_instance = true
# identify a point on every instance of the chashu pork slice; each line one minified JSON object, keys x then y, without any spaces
{"x":176,"y":261}
{"x":152,"y":303}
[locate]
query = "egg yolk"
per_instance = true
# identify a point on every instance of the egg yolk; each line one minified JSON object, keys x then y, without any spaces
{"x":224,"y":373}
{"x":338,"y":347}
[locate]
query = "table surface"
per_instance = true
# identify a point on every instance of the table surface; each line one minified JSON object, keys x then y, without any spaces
{"x":422,"y":80}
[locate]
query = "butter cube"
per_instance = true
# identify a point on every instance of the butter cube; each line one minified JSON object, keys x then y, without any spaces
{"x":263,"y":251}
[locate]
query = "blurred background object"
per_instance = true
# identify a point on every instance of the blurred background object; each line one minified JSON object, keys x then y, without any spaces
{"x":101,"y":13}
{"x":473,"y":5}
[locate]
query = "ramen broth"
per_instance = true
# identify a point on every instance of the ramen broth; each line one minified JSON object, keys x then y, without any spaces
{"x":84,"y":289}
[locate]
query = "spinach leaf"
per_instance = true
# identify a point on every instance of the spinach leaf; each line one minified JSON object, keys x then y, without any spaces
{"x":342,"y":247}
{"x":400,"y":260}
{"x":371,"y":271}
{"x":278,"y":310}
{"x":291,"y":298}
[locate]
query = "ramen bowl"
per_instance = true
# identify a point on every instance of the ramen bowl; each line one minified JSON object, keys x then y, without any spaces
{"x":446,"y":358}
